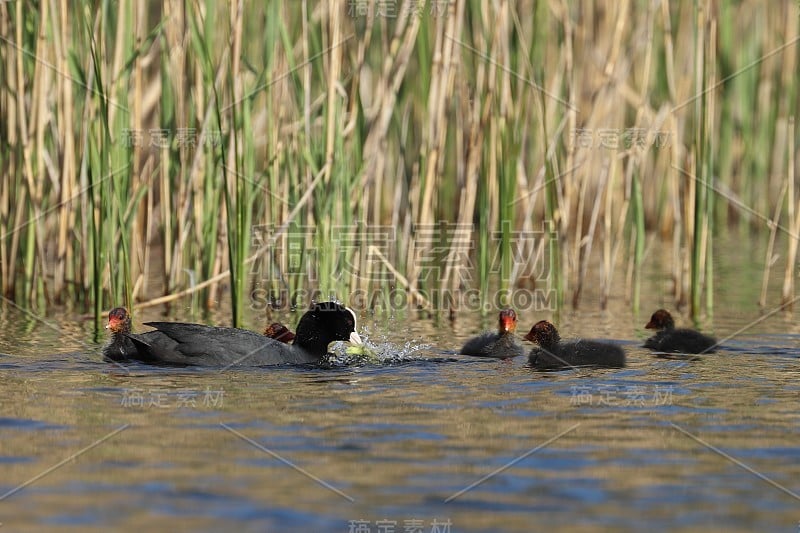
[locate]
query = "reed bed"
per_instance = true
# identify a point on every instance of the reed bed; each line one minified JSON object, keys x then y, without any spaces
{"x":394,"y":153}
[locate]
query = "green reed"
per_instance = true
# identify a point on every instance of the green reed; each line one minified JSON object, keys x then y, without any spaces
{"x":638,"y":237}
{"x":329,"y":120}
{"x":99,"y":143}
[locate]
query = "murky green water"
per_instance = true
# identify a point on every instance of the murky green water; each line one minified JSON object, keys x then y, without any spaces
{"x":427,"y":441}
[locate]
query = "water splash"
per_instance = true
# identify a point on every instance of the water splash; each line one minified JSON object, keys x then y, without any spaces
{"x":376,"y":353}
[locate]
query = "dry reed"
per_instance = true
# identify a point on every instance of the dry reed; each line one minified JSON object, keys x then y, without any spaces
{"x":228,"y":149}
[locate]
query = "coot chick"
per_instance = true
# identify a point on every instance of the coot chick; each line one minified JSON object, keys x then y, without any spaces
{"x":669,"y":339}
{"x":552,"y":353}
{"x":121,"y":348}
{"x":279,"y":332}
{"x":199,"y":345}
{"x":501,"y":345}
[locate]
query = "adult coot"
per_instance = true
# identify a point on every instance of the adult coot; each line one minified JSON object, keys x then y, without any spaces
{"x":669,"y":339}
{"x":552,"y":353}
{"x":502,"y":345}
{"x":121,"y":348}
{"x":181,"y":344}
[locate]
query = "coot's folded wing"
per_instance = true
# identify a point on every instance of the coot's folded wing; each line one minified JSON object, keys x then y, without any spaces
{"x":197,"y":344}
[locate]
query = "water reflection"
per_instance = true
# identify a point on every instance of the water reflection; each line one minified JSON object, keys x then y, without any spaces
{"x":421,"y":436}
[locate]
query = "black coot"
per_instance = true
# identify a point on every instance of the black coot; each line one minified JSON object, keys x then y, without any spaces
{"x":669,"y":339}
{"x":121,"y":348}
{"x":181,"y":344}
{"x":552,"y":353}
{"x":501,"y":345}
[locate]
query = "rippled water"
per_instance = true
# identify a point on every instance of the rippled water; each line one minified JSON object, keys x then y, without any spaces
{"x":425,"y":440}
{"x":422,"y":440}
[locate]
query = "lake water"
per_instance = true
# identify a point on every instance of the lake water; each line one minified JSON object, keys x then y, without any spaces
{"x":426,"y":440}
